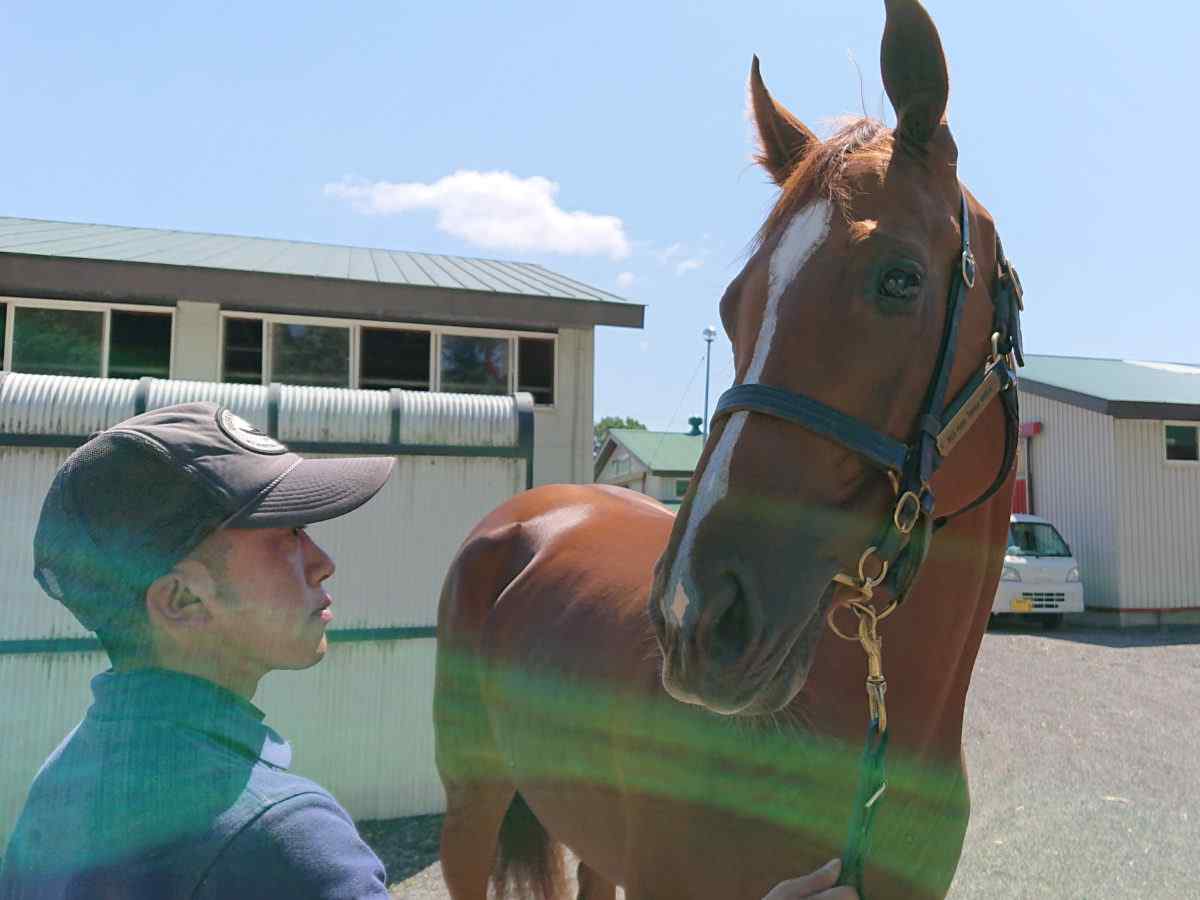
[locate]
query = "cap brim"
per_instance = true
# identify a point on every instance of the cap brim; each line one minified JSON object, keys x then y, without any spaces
{"x":317,"y":490}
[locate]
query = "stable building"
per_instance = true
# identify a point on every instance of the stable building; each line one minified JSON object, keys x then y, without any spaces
{"x":657,"y":463}
{"x":118,"y":302}
{"x":1111,"y":456}
{"x":475,"y":374}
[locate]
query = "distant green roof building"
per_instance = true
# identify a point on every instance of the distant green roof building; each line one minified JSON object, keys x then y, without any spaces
{"x":1111,"y":455}
{"x":1121,"y":388}
{"x":657,"y":463}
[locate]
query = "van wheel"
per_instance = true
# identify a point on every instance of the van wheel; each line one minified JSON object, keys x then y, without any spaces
{"x":1052,"y":621}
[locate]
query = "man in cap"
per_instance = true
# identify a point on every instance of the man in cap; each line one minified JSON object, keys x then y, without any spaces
{"x":178,"y":537}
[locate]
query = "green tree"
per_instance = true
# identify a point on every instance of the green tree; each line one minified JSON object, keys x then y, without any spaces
{"x":609,"y":422}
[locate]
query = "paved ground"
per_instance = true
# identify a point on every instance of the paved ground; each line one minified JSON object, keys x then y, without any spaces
{"x":1084,"y":756}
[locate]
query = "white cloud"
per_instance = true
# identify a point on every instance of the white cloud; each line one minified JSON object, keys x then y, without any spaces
{"x":688,"y":265}
{"x":665,"y":256}
{"x":493,"y":209}
{"x":625,"y":280}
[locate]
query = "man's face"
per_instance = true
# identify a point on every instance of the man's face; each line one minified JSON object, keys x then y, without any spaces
{"x":271,"y":611}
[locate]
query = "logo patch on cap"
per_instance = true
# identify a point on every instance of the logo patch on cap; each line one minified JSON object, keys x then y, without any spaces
{"x":248,"y":436}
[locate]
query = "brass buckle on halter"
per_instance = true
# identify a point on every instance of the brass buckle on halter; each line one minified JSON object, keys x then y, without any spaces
{"x":908,"y":510}
{"x":968,"y":267}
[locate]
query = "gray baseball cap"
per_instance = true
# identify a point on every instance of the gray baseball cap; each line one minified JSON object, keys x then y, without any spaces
{"x":140,"y":496}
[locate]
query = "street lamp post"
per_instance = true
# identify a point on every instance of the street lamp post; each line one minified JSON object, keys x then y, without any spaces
{"x":709,"y":334}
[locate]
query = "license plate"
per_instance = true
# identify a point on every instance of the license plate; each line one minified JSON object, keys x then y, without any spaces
{"x":1022,"y":604}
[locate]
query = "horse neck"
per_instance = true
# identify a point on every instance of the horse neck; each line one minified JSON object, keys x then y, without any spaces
{"x":929,"y":647}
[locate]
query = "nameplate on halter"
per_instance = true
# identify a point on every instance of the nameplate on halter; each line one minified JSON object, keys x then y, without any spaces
{"x":971,"y":410}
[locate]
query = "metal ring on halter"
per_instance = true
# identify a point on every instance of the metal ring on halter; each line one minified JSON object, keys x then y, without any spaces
{"x":829,"y":620}
{"x":867,"y":582}
{"x":860,"y":610}
{"x":909,"y":522}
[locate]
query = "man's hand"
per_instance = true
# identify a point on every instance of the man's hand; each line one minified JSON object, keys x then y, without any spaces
{"x":817,"y":886}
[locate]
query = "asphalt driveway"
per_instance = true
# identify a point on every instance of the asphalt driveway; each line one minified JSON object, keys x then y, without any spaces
{"x":1083,"y":748}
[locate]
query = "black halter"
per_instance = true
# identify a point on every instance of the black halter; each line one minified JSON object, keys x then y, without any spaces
{"x":904,"y":543}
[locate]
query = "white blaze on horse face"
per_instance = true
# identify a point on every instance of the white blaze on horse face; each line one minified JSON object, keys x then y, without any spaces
{"x":714,"y":484}
{"x":804,"y":235}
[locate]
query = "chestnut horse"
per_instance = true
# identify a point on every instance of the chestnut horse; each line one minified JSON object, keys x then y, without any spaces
{"x":576,"y":618}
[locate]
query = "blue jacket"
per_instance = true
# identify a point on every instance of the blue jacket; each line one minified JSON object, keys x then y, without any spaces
{"x":173,"y":787}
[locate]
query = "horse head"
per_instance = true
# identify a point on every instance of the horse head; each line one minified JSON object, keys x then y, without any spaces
{"x":843,"y":301}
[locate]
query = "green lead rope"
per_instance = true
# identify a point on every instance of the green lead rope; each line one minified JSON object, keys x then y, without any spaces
{"x":872,"y":781}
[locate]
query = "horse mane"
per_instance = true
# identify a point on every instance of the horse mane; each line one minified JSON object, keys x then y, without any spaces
{"x":859,"y":142}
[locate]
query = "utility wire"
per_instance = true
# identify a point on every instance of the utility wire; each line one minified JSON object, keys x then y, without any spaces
{"x":679,"y":406}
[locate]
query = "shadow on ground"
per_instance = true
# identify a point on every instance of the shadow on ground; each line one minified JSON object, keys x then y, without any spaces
{"x":405,"y":846}
{"x":1165,"y":636}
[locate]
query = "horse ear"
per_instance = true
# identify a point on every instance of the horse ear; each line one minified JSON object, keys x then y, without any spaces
{"x":914,"y":70}
{"x":783,"y":137}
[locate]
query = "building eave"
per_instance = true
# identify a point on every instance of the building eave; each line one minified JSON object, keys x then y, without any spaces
{"x":1117,"y":409}
{"x":71,"y":278}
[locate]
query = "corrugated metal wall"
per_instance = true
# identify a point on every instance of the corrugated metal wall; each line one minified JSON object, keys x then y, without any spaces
{"x":361,"y":721}
{"x":1073,"y":476}
{"x":1159,"y":518}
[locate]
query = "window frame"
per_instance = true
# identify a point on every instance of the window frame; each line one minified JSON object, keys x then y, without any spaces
{"x":436,"y":332}
{"x":1195,"y":426}
{"x":105,"y":310}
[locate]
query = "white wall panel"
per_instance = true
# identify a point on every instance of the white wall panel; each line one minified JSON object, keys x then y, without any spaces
{"x":393,"y":553}
{"x":361,"y":724}
{"x":26,"y":612}
{"x":1073,"y":476}
{"x":1159,"y":520}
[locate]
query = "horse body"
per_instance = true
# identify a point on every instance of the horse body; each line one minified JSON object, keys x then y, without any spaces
{"x":560,"y":562}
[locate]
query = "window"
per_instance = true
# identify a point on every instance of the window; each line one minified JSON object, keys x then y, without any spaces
{"x":317,"y":355}
{"x":681,"y":487}
{"x":1182,"y":443}
{"x":243,"y":351}
{"x":139,"y":345}
{"x":55,"y":341}
{"x":474,"y":365}
{"x":61,"y":337}
{"x":366,"y":355}
{"x":535,"y":369}
{"x":1037,"y":539}
{"x":394,"y":358}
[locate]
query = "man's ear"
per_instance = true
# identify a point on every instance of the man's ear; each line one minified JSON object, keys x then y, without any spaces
{"x":183,"y":597}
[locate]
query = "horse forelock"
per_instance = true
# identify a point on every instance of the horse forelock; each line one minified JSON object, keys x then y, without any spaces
{"x":825,"y":170}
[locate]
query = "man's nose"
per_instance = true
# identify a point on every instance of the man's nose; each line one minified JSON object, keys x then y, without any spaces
{"x":320,"y":564}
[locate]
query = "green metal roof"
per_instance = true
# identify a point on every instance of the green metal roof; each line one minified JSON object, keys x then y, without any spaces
{"x":1130,"y":389}
{"x":250,"y":254}
{"x":1117,"y":379}
{"x":661,"y":451}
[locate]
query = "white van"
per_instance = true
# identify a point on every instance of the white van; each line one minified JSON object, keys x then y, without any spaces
{"x":1040,"y":576}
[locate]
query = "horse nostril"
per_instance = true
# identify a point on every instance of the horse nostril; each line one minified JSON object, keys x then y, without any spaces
{"x":731,"y":633}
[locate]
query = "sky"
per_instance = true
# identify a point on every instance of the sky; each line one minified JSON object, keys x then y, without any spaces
{"x":610,"y":142}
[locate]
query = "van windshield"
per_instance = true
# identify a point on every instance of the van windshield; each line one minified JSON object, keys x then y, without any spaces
{"x":1037,"y":539}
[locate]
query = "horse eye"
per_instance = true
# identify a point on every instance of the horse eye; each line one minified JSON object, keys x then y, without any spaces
{"x":900,"y":284}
